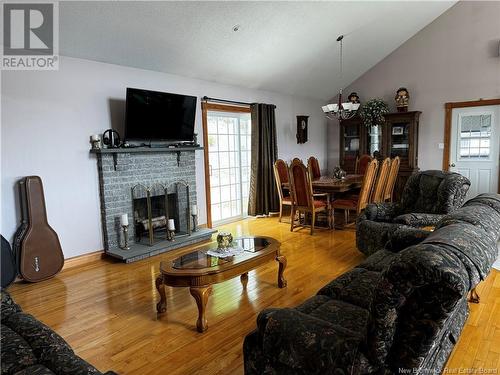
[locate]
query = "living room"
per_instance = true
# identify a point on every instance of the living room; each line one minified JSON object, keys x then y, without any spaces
{"x":250,"y":187}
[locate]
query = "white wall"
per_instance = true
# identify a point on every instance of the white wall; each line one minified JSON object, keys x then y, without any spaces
{"x":454,"y":58}
{"x":47,"y":118}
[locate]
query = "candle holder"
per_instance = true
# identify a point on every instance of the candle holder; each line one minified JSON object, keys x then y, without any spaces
{"x":125,"y":238}
{"x":195,"y":222}
{"x":171,"y":235}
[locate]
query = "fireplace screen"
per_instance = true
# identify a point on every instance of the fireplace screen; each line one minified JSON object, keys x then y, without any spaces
{"x":154,"y":206}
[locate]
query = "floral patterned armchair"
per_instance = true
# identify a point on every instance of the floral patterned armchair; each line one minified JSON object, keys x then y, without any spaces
{"x":396,"y":310}
{"x":427,"y":197}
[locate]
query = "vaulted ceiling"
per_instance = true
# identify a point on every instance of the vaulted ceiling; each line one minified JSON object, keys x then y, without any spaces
{"x":287,"y":47}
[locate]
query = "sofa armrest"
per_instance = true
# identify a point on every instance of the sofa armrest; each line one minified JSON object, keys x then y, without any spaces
{"x":405,"y":236}
{"x":381,"y":211}
{"x":418,"y":219}
{"x":298,"y":340}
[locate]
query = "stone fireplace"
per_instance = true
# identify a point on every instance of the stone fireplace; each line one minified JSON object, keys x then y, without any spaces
{"x":126,"y":177}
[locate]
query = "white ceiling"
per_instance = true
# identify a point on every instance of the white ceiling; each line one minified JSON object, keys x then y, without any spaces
{"x":287,"y":47}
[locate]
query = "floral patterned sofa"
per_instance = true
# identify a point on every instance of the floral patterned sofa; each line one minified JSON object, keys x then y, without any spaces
{"x":29,"y":347}
{"x":397,"y":311}
{"x":426,"y":198}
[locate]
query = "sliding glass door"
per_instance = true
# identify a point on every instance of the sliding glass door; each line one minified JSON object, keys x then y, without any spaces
{"x":229,"y":144}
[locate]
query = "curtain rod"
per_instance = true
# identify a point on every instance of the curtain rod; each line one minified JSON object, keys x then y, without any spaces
{"x":206,"y":98}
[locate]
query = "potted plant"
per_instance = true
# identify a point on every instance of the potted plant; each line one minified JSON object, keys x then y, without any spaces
{"x":373,"y":111}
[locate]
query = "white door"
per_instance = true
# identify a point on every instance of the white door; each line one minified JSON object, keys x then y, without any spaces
{"x":475,"y":143}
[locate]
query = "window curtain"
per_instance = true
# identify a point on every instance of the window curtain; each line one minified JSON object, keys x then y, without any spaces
{"x":263,"y":196}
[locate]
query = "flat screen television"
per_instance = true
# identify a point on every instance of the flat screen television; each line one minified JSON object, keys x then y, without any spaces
{"x":159,"y":116}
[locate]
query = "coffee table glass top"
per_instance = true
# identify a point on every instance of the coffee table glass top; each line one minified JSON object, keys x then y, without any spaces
{"x":200,"y":259}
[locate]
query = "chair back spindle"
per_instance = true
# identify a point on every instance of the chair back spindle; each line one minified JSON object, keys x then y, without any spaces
{"x":391,"y":180}
{"x":367,"y":185}
{"x":381,"y":181}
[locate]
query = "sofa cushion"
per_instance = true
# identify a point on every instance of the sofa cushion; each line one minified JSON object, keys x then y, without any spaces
{"x":35,"y":370}
{"x":8,"y":306}
{"x":418,"y":219}
{"x":356,"y":287}
{"x":475,"y":248}
{"x":423,"y":275}
{"x":43,"y":340}
{"x":378,"y":261}
{"x":16,"y":352}
{"x":477,"y":214}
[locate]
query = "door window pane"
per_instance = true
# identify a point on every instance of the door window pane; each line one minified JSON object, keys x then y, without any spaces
{"x":474,"y":139}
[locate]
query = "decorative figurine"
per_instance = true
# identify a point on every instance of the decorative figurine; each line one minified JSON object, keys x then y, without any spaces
{"x":339,"y":173}
{"x":353,"y":98}
{"x":302,"y":129}
{"x":402,"y":99}
{"x":224,"y":240}
{"x":95,"y":140}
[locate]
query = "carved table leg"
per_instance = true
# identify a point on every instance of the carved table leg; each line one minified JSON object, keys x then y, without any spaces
{"x":244,"y":280}
{"x":161,"y":306}
{"x":201,"y":297}
{"x":282,"y":265}
{"x":474,"y":297}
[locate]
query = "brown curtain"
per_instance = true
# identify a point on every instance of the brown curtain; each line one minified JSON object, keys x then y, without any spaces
{"x":263,"y":197}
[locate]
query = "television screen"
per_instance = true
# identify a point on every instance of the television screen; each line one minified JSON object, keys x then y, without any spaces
{"x":159,"y":116}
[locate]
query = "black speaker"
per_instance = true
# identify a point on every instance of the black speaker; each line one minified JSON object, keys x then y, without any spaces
{"x":111,"y":138}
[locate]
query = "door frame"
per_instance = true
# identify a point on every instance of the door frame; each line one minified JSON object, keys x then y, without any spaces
{"x":447,"y":123}
{"x":205,"y":107}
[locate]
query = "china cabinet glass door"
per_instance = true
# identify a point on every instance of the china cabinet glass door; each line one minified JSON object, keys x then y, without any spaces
{"x":374,"y":140}
{"x":399,"y":140}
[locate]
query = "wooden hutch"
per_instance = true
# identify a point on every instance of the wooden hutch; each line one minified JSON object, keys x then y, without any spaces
{"x":398,"y":136}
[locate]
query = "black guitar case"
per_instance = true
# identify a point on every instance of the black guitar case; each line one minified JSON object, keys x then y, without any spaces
{"x":8,"y":261}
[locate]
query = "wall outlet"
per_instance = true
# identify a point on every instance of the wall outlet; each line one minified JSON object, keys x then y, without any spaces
{"x":441,"y":146}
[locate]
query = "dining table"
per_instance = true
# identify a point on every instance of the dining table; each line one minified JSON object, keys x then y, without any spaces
{"x":326,"y":184}
{"x":332,"y":185}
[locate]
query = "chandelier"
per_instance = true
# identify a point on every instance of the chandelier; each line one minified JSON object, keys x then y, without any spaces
{"x":341,"y":111}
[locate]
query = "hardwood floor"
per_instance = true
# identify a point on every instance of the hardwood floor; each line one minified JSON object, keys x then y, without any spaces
{"x":106,"y":310}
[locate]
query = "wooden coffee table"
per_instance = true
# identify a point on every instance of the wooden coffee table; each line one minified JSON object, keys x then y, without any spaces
{"x":199,"y":271}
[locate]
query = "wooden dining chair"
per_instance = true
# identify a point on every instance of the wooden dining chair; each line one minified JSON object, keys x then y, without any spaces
{"x":391,"y":180}
{"x":313,"y":167}
{"x":358,"y":203}
{"x":281,"y":177}
{"x":362,"y":163}
{"x":303,"y":199}
{"x":381,"y":181}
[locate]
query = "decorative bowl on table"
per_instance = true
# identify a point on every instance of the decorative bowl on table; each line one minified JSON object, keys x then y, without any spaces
{"x":339,"y":173}
{"x":224,"y":241}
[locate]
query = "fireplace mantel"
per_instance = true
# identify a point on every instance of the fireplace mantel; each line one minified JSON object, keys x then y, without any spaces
{"x":129,"y":150}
